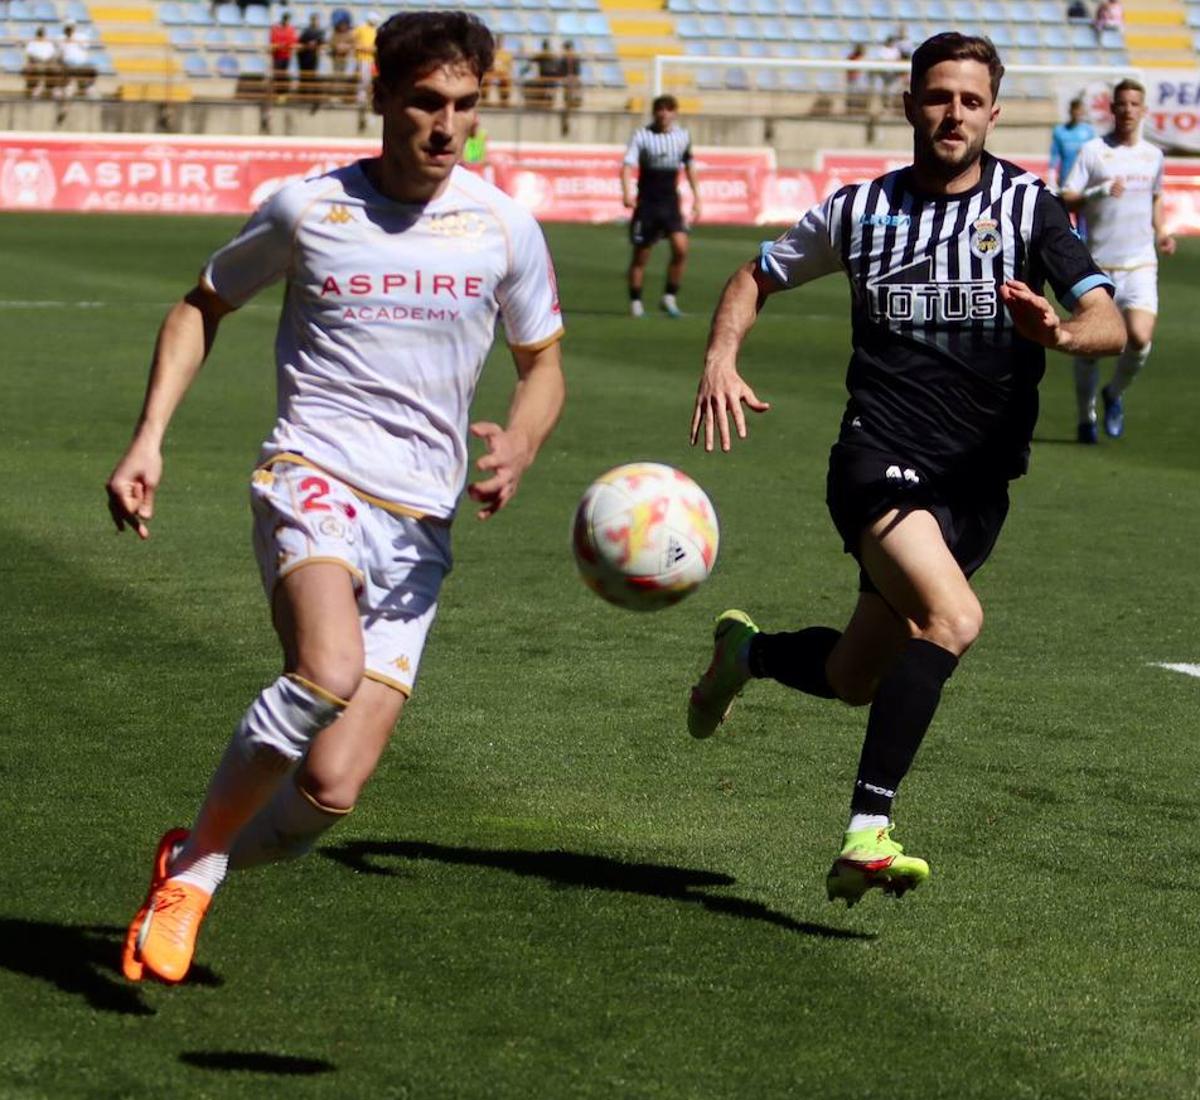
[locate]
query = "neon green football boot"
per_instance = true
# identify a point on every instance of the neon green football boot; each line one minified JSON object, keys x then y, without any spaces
{"x":723,"y":680}
{"x":870,"y":858}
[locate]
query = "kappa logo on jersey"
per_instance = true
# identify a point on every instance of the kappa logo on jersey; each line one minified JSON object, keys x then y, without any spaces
{"x":985,"y":237}
{"x":911,"y":294}
{"x":338,"y":214}
{"x":894,"y":473}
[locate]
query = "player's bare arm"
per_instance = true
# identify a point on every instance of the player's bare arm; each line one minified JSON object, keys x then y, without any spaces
{"x":628,"y":198}
{"x":536,"y":404}
{"x":1095,"y":327}
{"x":184,"y":341}
{"x":722,"y":390}
{"x":690,"y":171}
{"x":1164,"y":240}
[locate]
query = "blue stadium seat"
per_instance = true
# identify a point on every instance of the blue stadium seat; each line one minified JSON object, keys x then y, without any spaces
{"x":560,"y":5}
{"x":713,"y":26}
{"x":745,"y":27}
{"x":182,"y":38}
{"x":540,"y":23}
{"x":1020,"y":12}
{"x":1082,"y":38}
{"x":597,"y":23}
{"x":228,"y":15}
{"x":738,"y":7}
{"x":1048,"y":13}
{"x":757,"y":48}
{"x":198,"y":14}
{"x":879,"y":9}
{"x":688,"y":26}
{"x":737,"y":80}
{"x":773,"y":30}
{"x":21,"y":12}
{"x":724,"y":47}
{"x":829,"y":30}
{"x":1055,"y":36}
{"x":1112,"y":40}
{"x":227,"y":66}
{"x":1027,"y":37}
{"x":214,"y":38}
{"x":1193,"y":17}
{"x":103,"y":61}
{"x":1001,"y":36}
{"x":11,"y":61}
{"x":681,"y":7}
{"x":195,"y":67}
{"x":77,"y":12}
{"x":246,"y":38}
{"x":795,"y":8}
{"x":508,"y":22}
{"x":708,"y":79}
{"x":767,"y":7}
{"x":171,"y":15}
{"x":257,"y":16}
{"x":255,"y":65}
{"x":44,"y":11}
{"x":858,"y":31}
{"x":826,"y":8}
{"x":708,"y":7}
{"x":786,"y":49}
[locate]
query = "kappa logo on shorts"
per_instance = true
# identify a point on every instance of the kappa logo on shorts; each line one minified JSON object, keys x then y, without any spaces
{"x":334,"y":528}
{"x":895,"y":473}
{"x":338,"y":215}
{"x":402,"y":663}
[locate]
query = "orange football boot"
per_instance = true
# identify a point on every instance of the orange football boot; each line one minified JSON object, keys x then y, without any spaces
{"x":131,"y":962}
{"x":166,"y":940}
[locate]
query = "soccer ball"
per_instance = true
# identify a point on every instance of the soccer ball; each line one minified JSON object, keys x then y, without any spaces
{"x":645,"y":536}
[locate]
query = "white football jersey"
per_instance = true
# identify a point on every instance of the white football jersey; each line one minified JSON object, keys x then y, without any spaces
{"x":389,"y":314}
{"x":1120,"y":231}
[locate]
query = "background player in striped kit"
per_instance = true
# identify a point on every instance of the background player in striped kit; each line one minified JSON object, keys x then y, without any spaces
{"x":658,"y":151}
{"x":396,"y":268}
{"x":946,"y":261}
{"x":1116,"y":185}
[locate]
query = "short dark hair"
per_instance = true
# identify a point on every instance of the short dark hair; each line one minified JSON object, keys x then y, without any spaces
{"x":1128,"y":85}
{"x":412,"y":43}
{"x":952,"y":46}
{"x":667,"y":101}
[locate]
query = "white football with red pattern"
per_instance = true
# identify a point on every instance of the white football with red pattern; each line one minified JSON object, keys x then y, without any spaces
{"x":645,"y":536}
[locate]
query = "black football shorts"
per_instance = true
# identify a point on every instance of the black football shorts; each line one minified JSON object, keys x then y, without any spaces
{"x":864,"y":483}
{"x":652,"y":222}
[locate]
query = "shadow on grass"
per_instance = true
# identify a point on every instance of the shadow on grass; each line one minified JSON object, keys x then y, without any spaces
{"x":595,"y":872}
{"x":83,"y":960}
{"x":248,"y":1061}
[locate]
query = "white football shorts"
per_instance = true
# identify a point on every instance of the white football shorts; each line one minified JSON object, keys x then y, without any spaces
{"x":1136,"y":288}
{"x":303,"y":515}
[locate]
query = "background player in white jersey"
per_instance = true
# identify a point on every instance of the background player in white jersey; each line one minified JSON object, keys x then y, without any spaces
{"x":1116,"y":184}
{"x":946,"y":260}
{"x":658,"y":151}
{"x":396,"y":269}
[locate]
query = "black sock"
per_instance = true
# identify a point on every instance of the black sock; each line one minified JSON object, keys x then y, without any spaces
{"x":797,"y":660}
{"x":903,"y":708}
{"x":671,"y":288}
{"x":635,"y":293}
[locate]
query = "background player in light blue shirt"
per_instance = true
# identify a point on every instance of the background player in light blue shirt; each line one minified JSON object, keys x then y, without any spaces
{"x":1066,"y":141}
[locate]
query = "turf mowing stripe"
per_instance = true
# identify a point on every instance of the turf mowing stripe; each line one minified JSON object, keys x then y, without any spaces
{"x":1186,"y":669}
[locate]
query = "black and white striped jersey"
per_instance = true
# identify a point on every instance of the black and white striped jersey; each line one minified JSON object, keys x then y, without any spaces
{"x":658,"y":155}
{"x":938,"y":372}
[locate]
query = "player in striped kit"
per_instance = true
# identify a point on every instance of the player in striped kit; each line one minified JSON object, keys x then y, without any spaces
{"x":946,"y":261}
{"x":1116,"y":185}
{"x":396,"y":270}
{"x":658,"y":151}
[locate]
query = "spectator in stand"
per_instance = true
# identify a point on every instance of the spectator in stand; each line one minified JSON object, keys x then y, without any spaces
{"x":545,"y":70}
{"x":572,"y":77}
{"x":364,"y":57}
{"x":284,"y":38}
{"x":856,"y":81}
{"x":76,"y":66}
{"x":890,"y":84}
{"x":1109,"y":17}
{"x":308,"y":57}
{"x":498,"y":78}
{"x":341,"y":50}
{"x":43,"y":69}
{"x":1077,"y":12}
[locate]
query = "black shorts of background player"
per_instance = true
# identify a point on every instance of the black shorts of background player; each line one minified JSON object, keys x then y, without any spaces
{"x":658,"y":151}
{"x":947,"y":259}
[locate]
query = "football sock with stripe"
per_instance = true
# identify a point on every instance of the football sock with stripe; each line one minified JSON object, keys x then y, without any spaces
{"x":272,"y":736}
{"x":286,"y":828}
{"x":903,"y":709}
{"x":1129,"y":362}
{"x":796,"y":659}
{"x":1087,"y":379}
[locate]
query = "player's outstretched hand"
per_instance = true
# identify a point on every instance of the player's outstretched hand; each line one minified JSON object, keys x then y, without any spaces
{"x":1033,"y":316}
{"x":131,"y":488}
{"x":508,"y":457}
{"x":1166,"y":244}
{"x":721,"y":395}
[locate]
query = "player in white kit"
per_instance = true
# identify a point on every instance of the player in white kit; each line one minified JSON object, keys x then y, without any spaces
{"x":396,"y":270}
{"x":1116,"y":181}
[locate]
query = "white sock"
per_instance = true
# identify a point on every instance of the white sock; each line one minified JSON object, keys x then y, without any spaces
{"x":1087,"y":378}
{"x":867,"y":821}
{"x":272,"y":736}
{"x":1129,"y":362}
{"x":286,"y":828}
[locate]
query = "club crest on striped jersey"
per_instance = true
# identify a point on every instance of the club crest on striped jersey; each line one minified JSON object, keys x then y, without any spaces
{"x":985,"y":238}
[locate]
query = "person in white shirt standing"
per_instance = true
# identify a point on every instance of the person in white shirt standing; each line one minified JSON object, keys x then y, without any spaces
{"x":396,"y":268}
{"x":1116,"y":182}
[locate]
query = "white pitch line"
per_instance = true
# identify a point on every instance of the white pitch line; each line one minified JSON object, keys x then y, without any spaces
{"x":1170,"y":666}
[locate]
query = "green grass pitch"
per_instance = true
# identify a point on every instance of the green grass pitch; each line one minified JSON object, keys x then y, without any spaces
{"x":548,"y":889}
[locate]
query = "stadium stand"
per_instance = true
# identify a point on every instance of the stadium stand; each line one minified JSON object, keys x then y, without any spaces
{"x":183,"y":49}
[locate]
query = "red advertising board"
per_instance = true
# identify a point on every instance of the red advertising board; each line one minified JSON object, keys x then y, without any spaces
{"x":579,"y":183}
